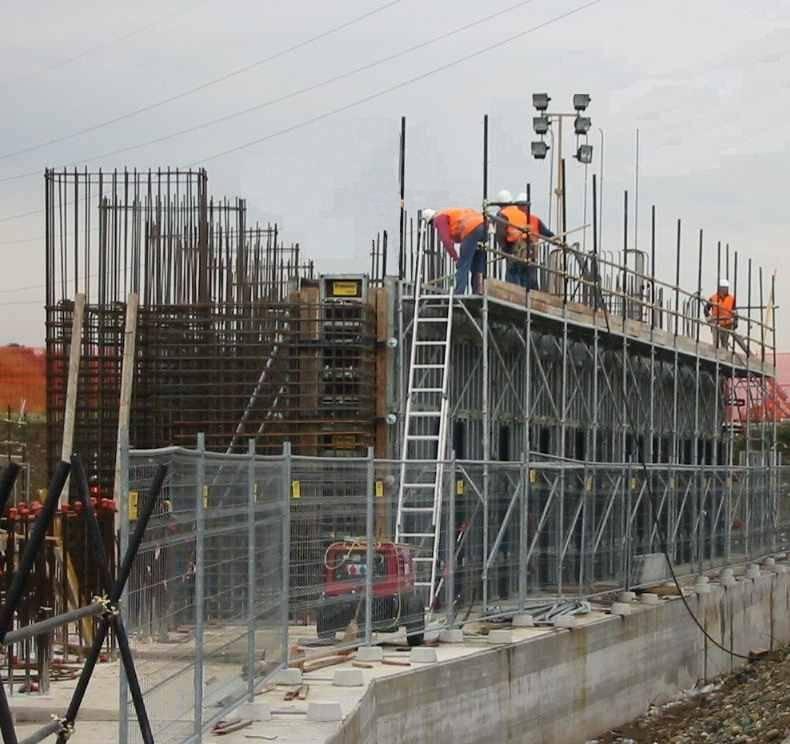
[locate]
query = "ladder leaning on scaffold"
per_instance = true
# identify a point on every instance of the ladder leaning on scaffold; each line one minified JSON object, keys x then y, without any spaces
{"x":419,"y":512}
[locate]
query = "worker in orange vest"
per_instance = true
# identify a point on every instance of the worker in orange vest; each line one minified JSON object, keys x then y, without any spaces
{"x":467,"y":227}
{"x":720,"y":312}
{"x":519,"y":238}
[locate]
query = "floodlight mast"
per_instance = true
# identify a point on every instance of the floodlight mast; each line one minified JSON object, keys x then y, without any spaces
{"x":582,"y":125}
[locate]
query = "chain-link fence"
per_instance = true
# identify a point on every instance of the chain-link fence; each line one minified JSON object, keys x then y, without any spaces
{"x":253,"y":562}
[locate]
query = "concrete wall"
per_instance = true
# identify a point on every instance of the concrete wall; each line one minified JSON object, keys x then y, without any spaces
{"x":569,"y":685}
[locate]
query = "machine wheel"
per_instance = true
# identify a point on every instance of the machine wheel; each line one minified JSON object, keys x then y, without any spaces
{"x":415,"y":621}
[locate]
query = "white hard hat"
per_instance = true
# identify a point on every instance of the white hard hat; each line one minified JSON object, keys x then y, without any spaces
{"x":522,"y":197}
{"x":428,"y":214}
{"x":504,"y":196}
{"x":724,"y":283}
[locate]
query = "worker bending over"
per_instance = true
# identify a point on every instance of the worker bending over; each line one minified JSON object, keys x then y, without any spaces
{"x":519,"y":238}
{"x":720,"y":312}
{"x":467,"y":227}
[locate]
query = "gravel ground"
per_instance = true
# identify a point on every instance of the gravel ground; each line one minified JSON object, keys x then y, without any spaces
{"x":752,"y":705}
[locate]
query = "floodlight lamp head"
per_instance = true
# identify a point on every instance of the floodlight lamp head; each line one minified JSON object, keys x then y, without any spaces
{"x":541,"y":101}
{"x":582,"y":124}
{"x":540,"y":124}
{"x":581,"y":101}
{"x":539,"y":150}
{"x":584,"y":154}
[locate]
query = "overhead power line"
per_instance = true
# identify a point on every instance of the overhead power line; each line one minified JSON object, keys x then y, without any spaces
{"x":60,"y":64}
{"x":202,"y":86}
{"x":287,"y":96}
{"x":402,"y":84}
{"x":372,"y":96}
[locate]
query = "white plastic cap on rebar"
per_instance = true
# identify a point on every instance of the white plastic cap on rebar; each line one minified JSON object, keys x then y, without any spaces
{"x":428,"y":214}
{"x":522,"y":197}
{"x":724,"y":283}
{"x":504,"y":196}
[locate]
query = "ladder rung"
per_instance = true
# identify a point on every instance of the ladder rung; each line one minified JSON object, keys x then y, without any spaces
{"x":431,"y":343}
{"x":425,"y":414}
{"x":417,"y":534}
{"x":435,"y":297}
{"x":427,"y":366}
{"x":419,"y":485}
{"x":411,"y":509}
{"x":423,"y":437}
{"x":427,"y":390}
{"x":423,"y":559}
{"x":432,"y":320}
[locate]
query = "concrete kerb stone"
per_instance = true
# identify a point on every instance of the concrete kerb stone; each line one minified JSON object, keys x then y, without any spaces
{"x":621,"y":608}
{"x":626,"y":597}
{"x":523,"y":620}
{"x":451,"y":635}
{"x":348,"y":678}
{"x":255,"y":711}
{"x":649,"y":599}
{"x":370,"y":653}
{"x":423,"y":655}
{"x":323,"y":711}
{"x":290,"y":676}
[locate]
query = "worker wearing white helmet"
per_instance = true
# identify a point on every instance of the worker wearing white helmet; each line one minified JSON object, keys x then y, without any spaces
{"x":518,"y":231}
{"x":467,"y":227}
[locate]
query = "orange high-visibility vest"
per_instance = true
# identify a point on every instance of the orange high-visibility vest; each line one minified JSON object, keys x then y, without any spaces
{"x":517,"y":218}
{"x":462,"y":222}
{"x":721,"y":309}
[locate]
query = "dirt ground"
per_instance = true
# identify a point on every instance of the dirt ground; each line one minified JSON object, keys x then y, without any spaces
{"x":752,"y":705}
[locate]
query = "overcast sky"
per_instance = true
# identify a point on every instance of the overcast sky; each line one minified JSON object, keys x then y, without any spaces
{"x":706,"y":82}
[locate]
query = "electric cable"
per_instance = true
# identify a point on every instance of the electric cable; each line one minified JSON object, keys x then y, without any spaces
{"x":202,"y":86}
{"x":365,"y":99}
{"x":286,"y":96}
{"x":648,"y":484}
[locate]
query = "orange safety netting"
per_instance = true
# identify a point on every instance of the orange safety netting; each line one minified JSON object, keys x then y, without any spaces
{"x":23,"y":379}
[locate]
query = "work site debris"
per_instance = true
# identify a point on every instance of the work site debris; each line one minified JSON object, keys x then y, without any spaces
{"x":749,"y":706}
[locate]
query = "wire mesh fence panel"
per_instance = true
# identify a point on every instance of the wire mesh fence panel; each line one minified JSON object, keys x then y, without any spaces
{"x":252,"y":562}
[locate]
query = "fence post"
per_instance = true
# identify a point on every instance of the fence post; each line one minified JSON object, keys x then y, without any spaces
{"x":450,"y":539}
{"x":200,"y":586}
{"x":286,"y":554}
{"x":522,"y":533}
{"x":369,"y":541}
{"x":251,"y":616}
{"x":123,"y":535}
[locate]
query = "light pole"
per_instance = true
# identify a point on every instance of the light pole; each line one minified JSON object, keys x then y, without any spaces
{"x":542,"y":125}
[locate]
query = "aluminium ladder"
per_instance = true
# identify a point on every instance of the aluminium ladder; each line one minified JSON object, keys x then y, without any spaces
{"x":424,"y":444}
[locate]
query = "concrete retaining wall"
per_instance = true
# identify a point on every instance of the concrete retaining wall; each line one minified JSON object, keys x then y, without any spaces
{"x":568,"y":686}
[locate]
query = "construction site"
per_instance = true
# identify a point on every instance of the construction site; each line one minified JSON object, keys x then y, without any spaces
{"x":509,"y":479}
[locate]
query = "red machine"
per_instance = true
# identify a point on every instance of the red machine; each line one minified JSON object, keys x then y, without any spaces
{"x":396,"y":602}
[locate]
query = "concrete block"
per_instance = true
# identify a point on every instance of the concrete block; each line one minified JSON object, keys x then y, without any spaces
{"x":370,"y":653}
{"x":348,"y":678}
{"x":780,"y":568}
{"x":627,"y":597}
{"x":649,"y":599}
{"x":451,"y":635}
{"x":726,"y":573}
{"x":288,"y":676}
{"x":323,"y":711}
{"x":423,"y":655}
{"x":703,"y":588}
{"x":702,"y":579}
{"x":728,"y":581}
{"x":503,"y":635}
{"x":523,"y":620}
{"x":566,"y":621}
{"x":621,"y":608}
{"x":753,"y":571}
{"x":769,"y":562}
{"x":255,"y":711}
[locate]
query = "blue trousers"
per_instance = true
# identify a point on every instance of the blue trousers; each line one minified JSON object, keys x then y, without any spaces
{"x":524,"y":276}
{"x":470,"y":258}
